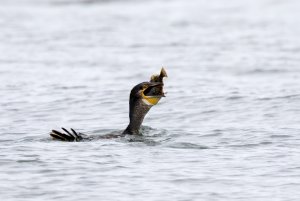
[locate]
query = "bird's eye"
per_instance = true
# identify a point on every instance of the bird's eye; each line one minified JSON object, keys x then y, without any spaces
{"x":141,"y":87}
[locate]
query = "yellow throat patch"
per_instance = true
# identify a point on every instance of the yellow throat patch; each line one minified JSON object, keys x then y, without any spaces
{"x":148,"y":100}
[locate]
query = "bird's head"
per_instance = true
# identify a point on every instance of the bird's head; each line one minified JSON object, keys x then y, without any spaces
{"x":147,"y":93}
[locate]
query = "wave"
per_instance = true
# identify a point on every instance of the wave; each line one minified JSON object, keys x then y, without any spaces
{"x":186,"y":145}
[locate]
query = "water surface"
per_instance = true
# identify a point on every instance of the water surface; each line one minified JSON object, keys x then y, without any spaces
{"x":227,"y":130}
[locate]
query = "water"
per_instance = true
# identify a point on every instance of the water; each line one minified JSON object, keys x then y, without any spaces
{"x":227,"y":130}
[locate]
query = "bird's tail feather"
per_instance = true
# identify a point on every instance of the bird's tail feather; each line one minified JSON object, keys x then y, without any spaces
{"x":67,"y":136}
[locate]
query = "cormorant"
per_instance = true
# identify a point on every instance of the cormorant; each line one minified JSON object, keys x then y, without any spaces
{"x":142,"y":97}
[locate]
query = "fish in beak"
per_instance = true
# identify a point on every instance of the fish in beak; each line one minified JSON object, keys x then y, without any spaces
{"x":154,"y":91}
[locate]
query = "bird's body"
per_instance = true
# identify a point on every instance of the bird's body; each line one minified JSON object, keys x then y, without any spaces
{"x":142,"y":97}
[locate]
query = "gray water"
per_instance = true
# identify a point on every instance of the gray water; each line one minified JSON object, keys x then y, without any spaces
{"x":227,"y":130}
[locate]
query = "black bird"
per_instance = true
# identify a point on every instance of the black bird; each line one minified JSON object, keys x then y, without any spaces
{"x":142,"y":97}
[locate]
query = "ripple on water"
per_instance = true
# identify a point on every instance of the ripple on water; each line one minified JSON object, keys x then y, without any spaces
{"x":281,"y":136}
{"x":250,"y":145}
{"x":186,"y":145}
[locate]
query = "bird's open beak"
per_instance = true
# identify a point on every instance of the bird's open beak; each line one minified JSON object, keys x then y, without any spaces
{"x":153,"y":93}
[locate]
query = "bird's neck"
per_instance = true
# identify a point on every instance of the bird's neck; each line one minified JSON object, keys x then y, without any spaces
{"x":137,"y":114}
